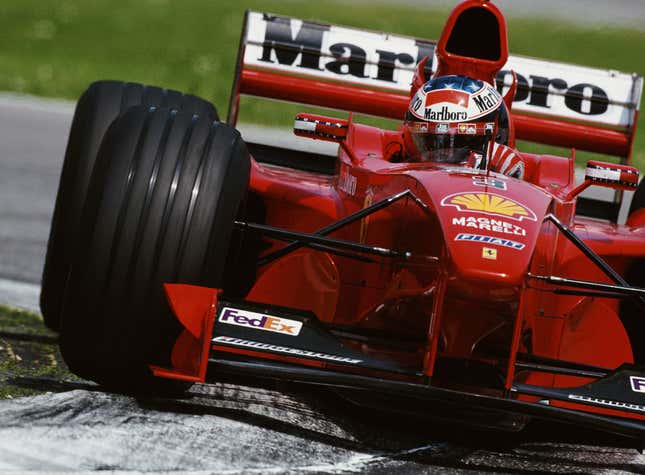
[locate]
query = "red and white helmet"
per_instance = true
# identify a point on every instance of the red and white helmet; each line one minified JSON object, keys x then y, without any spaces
{"x":450,"y":117}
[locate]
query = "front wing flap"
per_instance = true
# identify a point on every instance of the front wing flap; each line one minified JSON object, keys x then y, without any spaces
{"x":259,"y":330}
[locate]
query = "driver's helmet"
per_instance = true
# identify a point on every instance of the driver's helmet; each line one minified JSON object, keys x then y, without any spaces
{"x":450,"y":117}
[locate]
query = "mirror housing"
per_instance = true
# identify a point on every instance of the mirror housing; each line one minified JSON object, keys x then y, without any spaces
{"x":320,"y":127}
{"x":610,"y":175}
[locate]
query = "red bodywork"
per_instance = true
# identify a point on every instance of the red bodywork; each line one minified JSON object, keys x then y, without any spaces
{"x":467,"y":296}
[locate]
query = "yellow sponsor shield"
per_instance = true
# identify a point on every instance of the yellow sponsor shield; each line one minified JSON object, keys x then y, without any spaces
{"x":490,"y":204}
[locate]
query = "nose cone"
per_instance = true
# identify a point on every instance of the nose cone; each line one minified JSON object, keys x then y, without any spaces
{"x":490,"y":226}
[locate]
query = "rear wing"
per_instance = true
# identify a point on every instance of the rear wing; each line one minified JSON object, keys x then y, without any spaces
{"x":370,"y":72}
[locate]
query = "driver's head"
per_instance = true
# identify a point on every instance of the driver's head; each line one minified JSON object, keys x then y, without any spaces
{"x":451,"y":116}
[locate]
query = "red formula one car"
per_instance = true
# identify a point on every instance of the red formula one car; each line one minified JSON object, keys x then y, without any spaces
{"x":180,"y":251}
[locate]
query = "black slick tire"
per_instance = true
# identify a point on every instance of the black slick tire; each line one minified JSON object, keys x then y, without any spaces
{"x":97,"y":108}
{"x":161,"y":206}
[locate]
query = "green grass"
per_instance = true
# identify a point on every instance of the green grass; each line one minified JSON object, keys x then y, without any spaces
{"x":57,"y":47}
{"x":30,"y":361}
{"x":15,"y":320}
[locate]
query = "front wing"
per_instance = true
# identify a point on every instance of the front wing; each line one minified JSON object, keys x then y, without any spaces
{"x":272,"y":342}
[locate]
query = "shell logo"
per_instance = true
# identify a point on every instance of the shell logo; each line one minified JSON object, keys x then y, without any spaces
{"x":489,"y":203}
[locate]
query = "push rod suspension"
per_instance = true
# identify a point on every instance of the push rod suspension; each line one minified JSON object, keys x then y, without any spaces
{"x":591,"y":293}
{"x":585,"y":284}
{"x":350,"y":255}
{"x":384,"y":203}
{"x":307,"y":239}
{"x":596,"y":259}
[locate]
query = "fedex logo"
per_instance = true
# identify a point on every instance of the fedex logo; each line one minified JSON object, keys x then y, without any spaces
{"x":259,"y":321}
{"x":638,"y":384}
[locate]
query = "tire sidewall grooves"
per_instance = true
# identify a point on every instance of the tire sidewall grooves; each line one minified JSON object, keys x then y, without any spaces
{"x":195,"y":201}
{"x":135,"y":162}
{"x":169,"y":206}
{"x":98,"y":107}
{"x":148,"y":199}
{"x":238,"y":146}
{"x":166,"y":206}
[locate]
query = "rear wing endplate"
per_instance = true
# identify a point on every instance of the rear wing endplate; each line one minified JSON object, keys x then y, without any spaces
{"x":370,"y":72}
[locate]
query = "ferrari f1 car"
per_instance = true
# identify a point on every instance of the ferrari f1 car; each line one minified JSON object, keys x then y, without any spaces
{"x":179,"y":253}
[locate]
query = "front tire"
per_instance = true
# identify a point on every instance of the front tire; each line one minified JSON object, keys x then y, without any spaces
{"x":97,"y":108}
{"x":160,"y":208}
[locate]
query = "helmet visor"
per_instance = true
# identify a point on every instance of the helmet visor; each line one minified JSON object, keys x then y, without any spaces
{"x":449,"y":143}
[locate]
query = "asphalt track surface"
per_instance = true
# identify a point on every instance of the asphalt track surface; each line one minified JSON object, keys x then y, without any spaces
{"x":223,"y":428}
